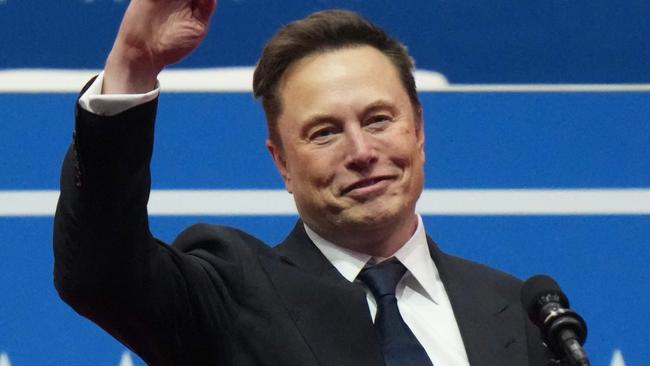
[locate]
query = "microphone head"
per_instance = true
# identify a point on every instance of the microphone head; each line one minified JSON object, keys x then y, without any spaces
{"x":539,"y":291}
{"x":548,"y":308}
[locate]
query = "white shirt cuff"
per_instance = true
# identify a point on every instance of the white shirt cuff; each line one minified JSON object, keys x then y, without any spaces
{"x":111,"y":104}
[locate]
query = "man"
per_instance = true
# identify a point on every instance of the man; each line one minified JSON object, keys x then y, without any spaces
{"x":346,"y":134}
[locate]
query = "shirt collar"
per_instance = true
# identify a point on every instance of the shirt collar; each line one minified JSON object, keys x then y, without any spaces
{"x":348,"y":262}
{"x":414,"y":255}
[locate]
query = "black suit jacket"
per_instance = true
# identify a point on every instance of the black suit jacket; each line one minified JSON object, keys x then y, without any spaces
{"x":218,"y":296}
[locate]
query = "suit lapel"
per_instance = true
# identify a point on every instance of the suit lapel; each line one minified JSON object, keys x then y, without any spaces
{"x":330,"y":312}
{"x":489,"y":324}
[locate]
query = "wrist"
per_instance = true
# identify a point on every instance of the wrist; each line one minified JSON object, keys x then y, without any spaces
{"x":129,"y":72}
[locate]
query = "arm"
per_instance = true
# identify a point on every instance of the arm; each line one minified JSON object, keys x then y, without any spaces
{"x":107,"y":264}
{"x":153,"y":34}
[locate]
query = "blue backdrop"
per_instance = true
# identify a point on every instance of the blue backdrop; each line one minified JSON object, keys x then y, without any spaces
{"x":477,"y":140}
{"x":470,"y":41}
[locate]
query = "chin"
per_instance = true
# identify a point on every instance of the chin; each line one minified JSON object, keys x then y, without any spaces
{"x":372,"y":217}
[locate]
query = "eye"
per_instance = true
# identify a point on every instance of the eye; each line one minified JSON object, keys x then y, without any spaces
{"x":323,"y":134}
{"x":378,"y":120}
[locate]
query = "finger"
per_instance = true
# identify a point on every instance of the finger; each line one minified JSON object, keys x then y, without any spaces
{"x":203,"y":9}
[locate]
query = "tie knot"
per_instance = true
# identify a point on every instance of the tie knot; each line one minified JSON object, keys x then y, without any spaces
{"x":382,"y":278}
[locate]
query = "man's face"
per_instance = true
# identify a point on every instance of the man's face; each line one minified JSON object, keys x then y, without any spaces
{"x":352,"y":151}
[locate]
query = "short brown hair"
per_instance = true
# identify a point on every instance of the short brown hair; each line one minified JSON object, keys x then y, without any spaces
{"x":320,"y":32}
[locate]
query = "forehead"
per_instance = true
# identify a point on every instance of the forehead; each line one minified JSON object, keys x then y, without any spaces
{"x":340,"y":78}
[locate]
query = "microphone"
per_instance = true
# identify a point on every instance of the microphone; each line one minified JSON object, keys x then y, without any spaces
{"x":563,"y":330}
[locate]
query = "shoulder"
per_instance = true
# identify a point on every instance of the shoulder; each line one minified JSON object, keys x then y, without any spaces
{"x":483,"y":271}
{"x":467,"y":272}
{"x":203,"y":239}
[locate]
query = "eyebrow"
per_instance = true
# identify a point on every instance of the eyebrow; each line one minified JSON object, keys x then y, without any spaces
{"x":380,"y":104}
{"x":325,"y":118}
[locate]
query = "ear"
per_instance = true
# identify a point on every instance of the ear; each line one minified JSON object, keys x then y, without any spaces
{"x":280,"y":163}
{"x":419,"y":131}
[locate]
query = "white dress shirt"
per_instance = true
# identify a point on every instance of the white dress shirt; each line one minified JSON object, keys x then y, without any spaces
{"x":421,"y":296}
{"x":94,"y":101}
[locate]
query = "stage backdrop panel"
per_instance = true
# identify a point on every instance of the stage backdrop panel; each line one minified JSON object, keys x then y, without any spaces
{"x":470,"y":41}
{"x":529,"y":141}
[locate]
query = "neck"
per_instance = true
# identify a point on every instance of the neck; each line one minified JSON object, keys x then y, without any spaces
{"x":378,"y":241}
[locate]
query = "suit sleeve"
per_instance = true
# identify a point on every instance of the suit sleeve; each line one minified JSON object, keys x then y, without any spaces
{"x":108,"y":266}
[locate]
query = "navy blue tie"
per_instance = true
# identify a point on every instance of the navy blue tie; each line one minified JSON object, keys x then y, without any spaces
{"x":398,"y":343}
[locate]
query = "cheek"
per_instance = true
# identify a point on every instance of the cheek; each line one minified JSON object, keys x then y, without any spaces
{"x":313,"y":170}
{"x":403,"y":150}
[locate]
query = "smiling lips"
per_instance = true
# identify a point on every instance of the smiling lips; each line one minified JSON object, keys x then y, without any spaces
{"x":363,"y":183}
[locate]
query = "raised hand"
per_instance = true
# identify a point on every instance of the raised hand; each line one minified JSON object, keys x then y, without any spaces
{"x":154,"y":34}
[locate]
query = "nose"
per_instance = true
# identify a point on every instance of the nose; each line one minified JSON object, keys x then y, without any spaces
{"x":361,"y":153}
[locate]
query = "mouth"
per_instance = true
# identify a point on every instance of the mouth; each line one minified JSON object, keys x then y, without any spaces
{"x":364,"y":183}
